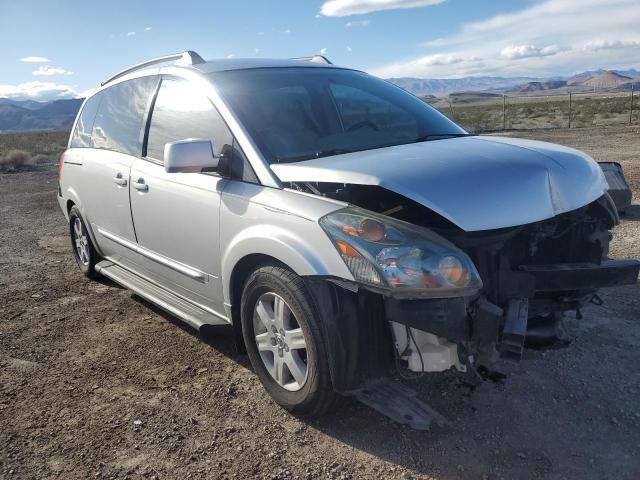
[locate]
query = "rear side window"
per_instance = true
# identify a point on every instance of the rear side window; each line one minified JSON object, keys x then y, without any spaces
{"x":82,"y":134}
{"x":120,"y":117}
{"x":180,"y":112}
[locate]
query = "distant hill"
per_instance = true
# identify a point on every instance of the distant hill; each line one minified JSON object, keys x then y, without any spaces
{"x":472,"y":97}
{"x":28,"y":104}
{"x":445,"y":86}
{"x":606,"y":79}
{"x":29,"y":115}
{"x":430,"y":98}
{"x":585,"y":81}
{"x":533,"y":87}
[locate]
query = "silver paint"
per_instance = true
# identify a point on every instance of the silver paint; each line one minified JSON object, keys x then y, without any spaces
{"x":478,"y":183}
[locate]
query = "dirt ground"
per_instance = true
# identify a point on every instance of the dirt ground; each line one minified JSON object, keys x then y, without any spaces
{"x":96,"y":383}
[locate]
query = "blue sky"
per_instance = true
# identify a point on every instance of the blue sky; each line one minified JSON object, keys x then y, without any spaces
{"x":64,"y":48}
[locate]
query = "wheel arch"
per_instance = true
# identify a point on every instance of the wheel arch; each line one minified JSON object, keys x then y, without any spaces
{"x":71,"y":200}
{"x":269,"y":242}
{"x":241,"y":271}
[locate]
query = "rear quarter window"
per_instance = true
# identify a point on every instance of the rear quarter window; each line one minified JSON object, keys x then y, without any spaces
{"x":120,"y":116}
{"x":81,"y":137}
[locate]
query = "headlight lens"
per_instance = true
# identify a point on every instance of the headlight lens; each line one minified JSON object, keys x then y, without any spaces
{"x":385,"y":252}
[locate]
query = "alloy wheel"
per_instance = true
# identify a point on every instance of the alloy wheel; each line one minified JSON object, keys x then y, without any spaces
{"x":280,"y":341}
{"x":81,"y":241}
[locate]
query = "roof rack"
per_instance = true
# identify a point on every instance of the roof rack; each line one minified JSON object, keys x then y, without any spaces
{"x":185,"y":58}
{"x":314,"y":59}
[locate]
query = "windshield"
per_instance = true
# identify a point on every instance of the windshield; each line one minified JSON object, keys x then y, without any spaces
{"x":301,"y":113}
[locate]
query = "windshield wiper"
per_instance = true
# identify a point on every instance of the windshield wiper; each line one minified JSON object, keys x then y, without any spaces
{"x":440,"y":136}
{"x":313,"y":156}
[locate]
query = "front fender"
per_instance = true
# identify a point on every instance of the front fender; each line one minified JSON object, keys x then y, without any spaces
{"x":306,"y":255}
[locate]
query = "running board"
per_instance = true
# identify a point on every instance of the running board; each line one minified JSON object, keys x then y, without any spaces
{"x":398,"y":402}
{"x":175,"y":305}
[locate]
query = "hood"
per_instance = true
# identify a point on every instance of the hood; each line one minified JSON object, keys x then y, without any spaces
{"x":478,"y":183}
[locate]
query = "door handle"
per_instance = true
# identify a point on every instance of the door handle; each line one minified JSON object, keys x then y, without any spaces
{"x":140,"y":185}
{"x":119,"y":179}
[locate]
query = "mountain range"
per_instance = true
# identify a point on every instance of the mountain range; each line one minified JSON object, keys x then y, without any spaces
{"x":586,"y":81}
{"x":30,"y":115}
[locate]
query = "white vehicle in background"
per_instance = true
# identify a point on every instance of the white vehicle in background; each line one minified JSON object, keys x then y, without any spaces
{"x":341,"y":225}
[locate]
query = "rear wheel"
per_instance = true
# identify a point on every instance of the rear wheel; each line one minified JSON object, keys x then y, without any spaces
{"x":284,"y":341}
{"x":83,"y":250}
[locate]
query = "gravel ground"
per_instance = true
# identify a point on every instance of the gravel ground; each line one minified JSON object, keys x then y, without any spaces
{"x":97,"y":383}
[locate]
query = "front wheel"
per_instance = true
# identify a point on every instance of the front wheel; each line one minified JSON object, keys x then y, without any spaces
{"x":284,"y":341}
{"x":83,"y":249}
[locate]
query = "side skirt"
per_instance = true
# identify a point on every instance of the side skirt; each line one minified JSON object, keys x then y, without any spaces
{"x":186,"y":311}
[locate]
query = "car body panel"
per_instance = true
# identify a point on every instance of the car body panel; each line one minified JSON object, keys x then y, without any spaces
{"x":282,"y":224}
{"x":176,"y":222}
{"x":103,"y":203}
{"x":478,"y":183}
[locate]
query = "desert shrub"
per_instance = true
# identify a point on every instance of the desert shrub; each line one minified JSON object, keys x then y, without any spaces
{"x":41,"y":159}
{"x":14,"y":160}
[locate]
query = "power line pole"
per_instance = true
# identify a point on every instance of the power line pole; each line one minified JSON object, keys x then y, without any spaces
{"x":569,"y":108}
{"x":504,"y":112}
{"x":631,"y":106}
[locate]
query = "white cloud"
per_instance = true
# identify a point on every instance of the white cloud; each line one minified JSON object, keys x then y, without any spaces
{"x":514,"y":52}
{"x":288,"y":30}
{"x":441,"y":60}
{"x":547,"y":37}
{"x":130,"y":34}
{"x":47,"y":71}
{"x":611,"y":44}
{"x":358,"y":23}
{"x":323,"y":51}
{"x":343,"y":8}
{"x":349,"y":49}
{"x":38,"y":91}
{"x":35,"y":60}
{"x":230,"y":55}
{"x":438,"y":42}
{"x":147,"y":29}
{"x":88,"y":91}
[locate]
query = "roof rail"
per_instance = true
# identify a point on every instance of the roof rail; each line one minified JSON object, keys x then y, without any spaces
{"x":314,"y":59}
{"x":185,"y":58}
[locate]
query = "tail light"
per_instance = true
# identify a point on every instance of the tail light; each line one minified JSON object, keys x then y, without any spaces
{"x":60,"y":163}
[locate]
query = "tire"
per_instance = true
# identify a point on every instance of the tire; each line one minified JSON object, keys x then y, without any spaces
{"x":83,"y":250}
{"x":313,"y":396}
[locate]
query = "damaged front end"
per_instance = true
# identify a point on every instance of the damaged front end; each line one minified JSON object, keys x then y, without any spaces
{"x":460,"y":299}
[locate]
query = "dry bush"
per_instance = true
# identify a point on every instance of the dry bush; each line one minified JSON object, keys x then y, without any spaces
{"x":14,"y":160}
{"x":41,"y":159}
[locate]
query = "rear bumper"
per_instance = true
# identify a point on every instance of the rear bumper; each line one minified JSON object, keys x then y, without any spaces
{"x":62,"y":204}
{"x":583,"y":276}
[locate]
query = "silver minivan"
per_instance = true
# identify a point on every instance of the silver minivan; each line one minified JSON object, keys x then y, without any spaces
{"x":344,"y":228}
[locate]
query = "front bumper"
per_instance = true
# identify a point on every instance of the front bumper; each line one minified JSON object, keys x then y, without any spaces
{"x":356,"y":320}
{"x":548,"y":288}
{"x":583,"y":276}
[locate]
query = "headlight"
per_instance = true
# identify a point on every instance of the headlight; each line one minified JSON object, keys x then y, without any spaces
{"x":388,"y":253}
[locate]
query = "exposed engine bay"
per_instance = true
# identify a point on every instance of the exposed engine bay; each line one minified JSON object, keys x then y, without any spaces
{"x":532,"y":275}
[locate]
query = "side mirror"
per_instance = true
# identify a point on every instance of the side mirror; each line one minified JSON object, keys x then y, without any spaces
{"x":189,"y":156}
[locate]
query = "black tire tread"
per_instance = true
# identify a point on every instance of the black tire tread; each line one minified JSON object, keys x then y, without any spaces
{"x":88,"y":270}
